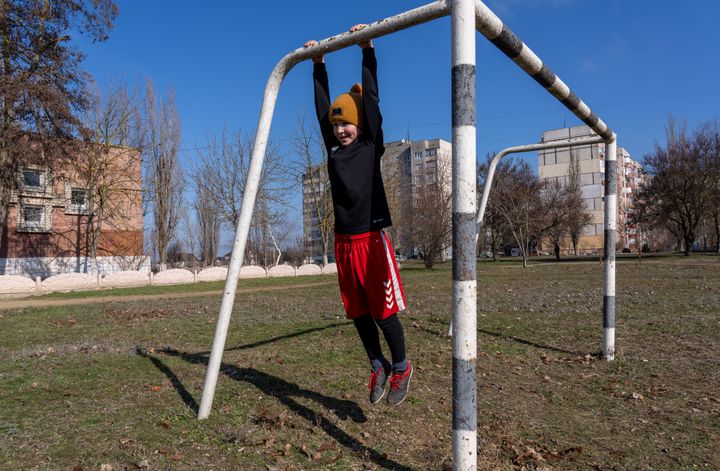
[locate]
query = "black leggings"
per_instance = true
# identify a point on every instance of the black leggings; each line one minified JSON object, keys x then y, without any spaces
{"x":392,"y":331}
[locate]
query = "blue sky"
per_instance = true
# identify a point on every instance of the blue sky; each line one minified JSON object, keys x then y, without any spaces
{"x":634,"y":62}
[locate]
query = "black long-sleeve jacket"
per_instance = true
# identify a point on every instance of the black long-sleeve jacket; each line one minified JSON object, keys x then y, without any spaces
{"x":356,"y":183}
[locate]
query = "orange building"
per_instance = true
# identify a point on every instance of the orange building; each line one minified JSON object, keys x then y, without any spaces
{"x":48,"y":227}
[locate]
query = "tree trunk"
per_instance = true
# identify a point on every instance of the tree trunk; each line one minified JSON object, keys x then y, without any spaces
{"x":688,"y":241}
{"x":5,"y":185}
{"x":557,"y":252}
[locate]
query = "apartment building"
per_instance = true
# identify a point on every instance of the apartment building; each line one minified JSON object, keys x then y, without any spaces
{"x":408,"y":167}
{"x":554,"y":165}
{"x":46,"y":231}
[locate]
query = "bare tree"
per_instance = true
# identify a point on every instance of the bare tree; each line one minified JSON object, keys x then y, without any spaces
{"x":707,"y":140}
{"x":107,"y":169}
{"x":41,"y":81}
{"x":555,"y":200}
{"x":516,"y":199}
{"x":223,"y":165}
{"x":295,"y":252}
{"x":163,"y":174}
{"x":431,"y":218}
{"x":317,"y":200}
{"x":677,"y":191}
{"x":576,"y":215}
{"x":208,"y":218}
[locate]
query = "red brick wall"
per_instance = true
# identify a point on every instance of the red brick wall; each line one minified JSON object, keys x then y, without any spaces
{"x":121,"y":235}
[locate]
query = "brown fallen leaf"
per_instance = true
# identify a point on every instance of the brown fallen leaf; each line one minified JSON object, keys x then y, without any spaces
{"x":304,"y":449}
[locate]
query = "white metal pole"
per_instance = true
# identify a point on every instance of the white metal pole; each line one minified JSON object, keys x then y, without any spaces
{"x":464,"y":189}
{"x":609,"y":249}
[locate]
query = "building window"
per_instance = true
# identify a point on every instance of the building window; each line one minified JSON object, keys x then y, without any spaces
{"x":32,"y":179}
{"x":418,"y":167}
{"x":430,"y":152}
{"x":418,"y":155}
{"x":431,"y":164}
{"x":32,"y":215}
{"x":79,"y":197}
{"x":33,"y":218}
{"x":77,"y":200}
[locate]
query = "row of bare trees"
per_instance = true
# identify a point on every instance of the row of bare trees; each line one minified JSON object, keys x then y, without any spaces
{"x":523,"y":209}
{"x":118,"y":124}
{"x":683,"y":191}
{"x":219,"y":177}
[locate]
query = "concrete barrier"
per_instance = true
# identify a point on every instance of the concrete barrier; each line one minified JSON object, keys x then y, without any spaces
{"x":253,"y":271}
{"x":212,"y":274}
{"x":70,"y":282}
{"x":308,"y":269}
{"x":125,"y":279}
{"x":174,"y":276}
{"x":16,"y":284}
{"x":279,"y":271}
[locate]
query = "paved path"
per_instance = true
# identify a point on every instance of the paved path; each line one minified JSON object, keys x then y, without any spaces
{"x":43,"y":302}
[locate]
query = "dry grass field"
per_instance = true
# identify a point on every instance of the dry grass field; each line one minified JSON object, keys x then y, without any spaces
{"x":117,"y":382}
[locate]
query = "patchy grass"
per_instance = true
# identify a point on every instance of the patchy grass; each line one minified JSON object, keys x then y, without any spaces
{"x":186,"y":288}
{"x":120,"y":382}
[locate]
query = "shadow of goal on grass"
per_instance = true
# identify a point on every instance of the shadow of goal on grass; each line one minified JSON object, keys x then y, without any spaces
{"x":529,"y":343}
{"x":285,"y":392}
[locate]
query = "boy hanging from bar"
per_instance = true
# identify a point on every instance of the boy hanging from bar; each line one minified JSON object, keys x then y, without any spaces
{"x":370,"y":285}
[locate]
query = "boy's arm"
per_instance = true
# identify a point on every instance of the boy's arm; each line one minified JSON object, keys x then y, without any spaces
{"x":371,"y":98}
{"x":322,"y":100}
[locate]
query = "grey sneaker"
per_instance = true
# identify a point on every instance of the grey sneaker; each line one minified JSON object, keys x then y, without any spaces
{"x":399,"y":385}
{"x":376,"y":385}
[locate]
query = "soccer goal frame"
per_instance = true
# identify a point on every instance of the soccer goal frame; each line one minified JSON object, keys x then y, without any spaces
{"x":467,"y":16}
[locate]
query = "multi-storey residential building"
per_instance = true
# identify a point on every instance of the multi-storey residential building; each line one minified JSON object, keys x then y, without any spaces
{"x":317,"y":214}
{"x":46,"y":231}
{"x":554,"y":165}
{"x":408,"y":167}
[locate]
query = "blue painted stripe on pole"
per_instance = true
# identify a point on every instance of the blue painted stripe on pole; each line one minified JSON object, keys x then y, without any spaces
{"x":464,"y":266}
{"x":571,"y":101}
{"x":463,"y":95}
{"x":609,"y":245}
{"x":608,"y":134}
{"x":608,"y":312}
{"x":610,"y":168}
{"x":545,"y":77}
{"x":464,"y":392}
{"x":592,"y":120}
{"x":508,"y":43}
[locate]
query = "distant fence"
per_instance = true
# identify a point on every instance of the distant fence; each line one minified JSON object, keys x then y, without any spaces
{"x":18,"y":284}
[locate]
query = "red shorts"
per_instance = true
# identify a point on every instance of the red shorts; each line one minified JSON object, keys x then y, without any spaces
{"x":368,"y":275}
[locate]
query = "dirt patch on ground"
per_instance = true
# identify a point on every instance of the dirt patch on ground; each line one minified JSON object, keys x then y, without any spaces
{"x":29,"y":302}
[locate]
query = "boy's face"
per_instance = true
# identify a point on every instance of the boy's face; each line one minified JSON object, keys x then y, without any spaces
{"x":346,"y":133}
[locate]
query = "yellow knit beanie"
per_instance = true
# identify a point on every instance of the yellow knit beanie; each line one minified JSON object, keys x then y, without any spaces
{"x":348,"y":107}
